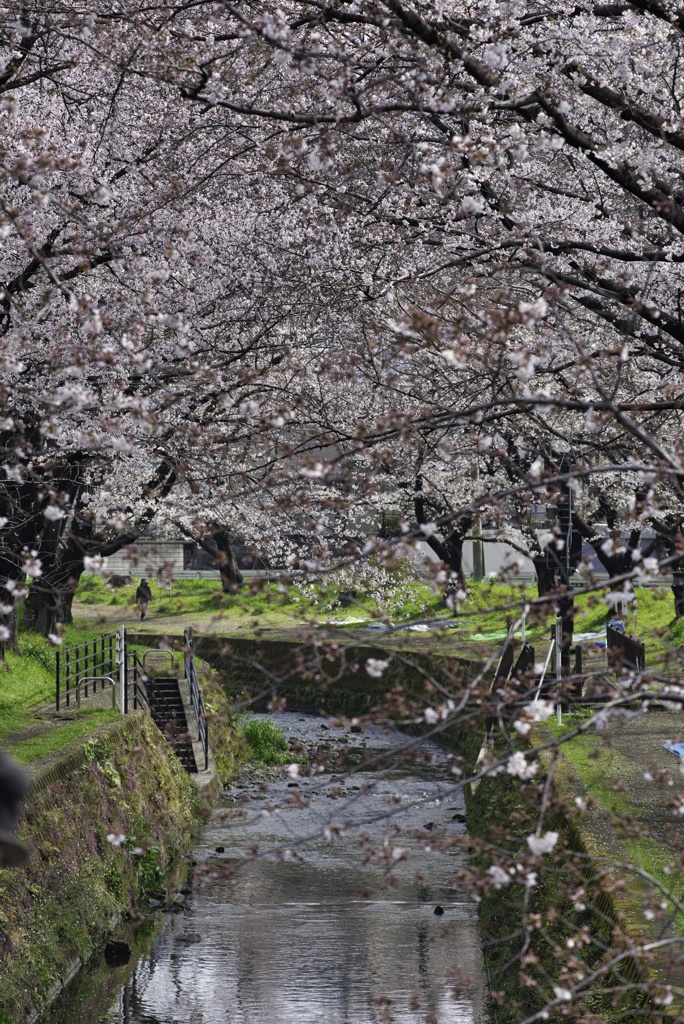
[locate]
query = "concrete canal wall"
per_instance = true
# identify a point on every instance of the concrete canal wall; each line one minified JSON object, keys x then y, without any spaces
{"x":59,"y":909}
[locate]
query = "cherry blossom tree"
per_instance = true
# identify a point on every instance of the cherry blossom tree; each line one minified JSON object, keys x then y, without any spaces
{"x":271,"y":271}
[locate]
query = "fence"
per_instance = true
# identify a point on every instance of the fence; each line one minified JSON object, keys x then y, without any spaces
{"x":80,"y":668}
{"x":196,"y":698}
{"x":624,"y":651}
{"x":106,"y":661}
{"x":525,"y":662}
{"x":389,"y":525}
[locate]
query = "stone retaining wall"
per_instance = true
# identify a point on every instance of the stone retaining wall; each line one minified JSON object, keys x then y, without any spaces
{"x":57,"y":910}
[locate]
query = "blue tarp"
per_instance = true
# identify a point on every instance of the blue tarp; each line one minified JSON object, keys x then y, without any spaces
{"x":675,"y":748}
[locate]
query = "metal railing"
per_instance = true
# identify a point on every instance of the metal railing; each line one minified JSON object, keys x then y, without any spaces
{"x":81,"y":688}
{"x":85,"y":665}
{"x":139,"y":694}
{"x":156,"y":652}
{"x":389,"y":525}
{"x":196,"y":698}
{"x":136,"y":678}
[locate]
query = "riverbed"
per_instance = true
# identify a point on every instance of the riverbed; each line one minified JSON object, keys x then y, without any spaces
{"x":311,"y":900}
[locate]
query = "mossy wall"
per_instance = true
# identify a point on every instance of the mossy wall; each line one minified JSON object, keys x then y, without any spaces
{"x":57,"y":909}
{"x":501,"y":814}
{"x":323,"y":676}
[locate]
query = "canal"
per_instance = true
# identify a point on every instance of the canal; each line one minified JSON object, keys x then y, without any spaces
{"x":311,"y":900}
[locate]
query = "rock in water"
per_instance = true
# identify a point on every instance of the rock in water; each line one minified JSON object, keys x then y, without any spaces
{"x":117,"y":953}
{"x":438,"y":910}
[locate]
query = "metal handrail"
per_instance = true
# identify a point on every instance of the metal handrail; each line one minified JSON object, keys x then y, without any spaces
{"x":155,"y":650}
{"x":196,"y":698}
{"x":546,"y":665}
{"x":140,"y":694}
{"x":91,"y":679}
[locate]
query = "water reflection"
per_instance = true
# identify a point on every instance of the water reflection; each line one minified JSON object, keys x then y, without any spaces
{"x":298,"y":942}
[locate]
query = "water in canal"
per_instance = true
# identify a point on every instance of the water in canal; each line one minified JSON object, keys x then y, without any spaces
{"x":312,"y":935}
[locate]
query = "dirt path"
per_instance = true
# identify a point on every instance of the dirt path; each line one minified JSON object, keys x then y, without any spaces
{"x":635,"y":755}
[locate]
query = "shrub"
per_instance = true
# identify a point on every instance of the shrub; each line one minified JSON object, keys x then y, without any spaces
{"x":265,"y":741}
{"x":389,"y":589}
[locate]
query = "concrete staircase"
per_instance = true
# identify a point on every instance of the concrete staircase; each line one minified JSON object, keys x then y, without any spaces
{"x":168,"y":713}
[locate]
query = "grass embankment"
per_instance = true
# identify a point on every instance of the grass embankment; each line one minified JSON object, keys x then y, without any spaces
{"x":524,"y":969}
{"x":614,"y":770}
{"x":27,"y":683}
{"x":126,"y":782}
{"x":35,"y":748}
{"x":654,"y":622}
{"x":28,"y":679}
{"x":484,"y":616}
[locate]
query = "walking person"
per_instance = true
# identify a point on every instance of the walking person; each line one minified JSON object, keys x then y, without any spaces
{"x":143,"y":596}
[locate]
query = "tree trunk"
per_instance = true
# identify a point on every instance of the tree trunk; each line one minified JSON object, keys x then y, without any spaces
{"x":545,"y":576}
{"x":231,"y":577}
{"x":40,"y":611}
{"x":47,"y":606}
{"x":566,"y":609}
{"x":450,"y":552}
{"x":449,"y":549}
{"x":9,"y":624}
{"x":51,"y":596}
{"x":678,"y":590}
{"x":64,"y":611}
{"x":219,"y":546}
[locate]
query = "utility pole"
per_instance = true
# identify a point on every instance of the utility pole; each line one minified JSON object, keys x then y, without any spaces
{"x":122,"y":670}
{"x":478,"y":547}
{"x":566,"y":603}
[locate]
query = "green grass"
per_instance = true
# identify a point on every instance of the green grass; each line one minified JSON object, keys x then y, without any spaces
{"x":655,"y":623}
{"x":194,"y":595}
{"x":25,"y":681}
{"x":37,"y":747}
{"x":190,"y":597}
{"x":202,"y":603}
{"x":265,"y":741}
{"x":256,"y":603}
{"x":599,"y":774}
